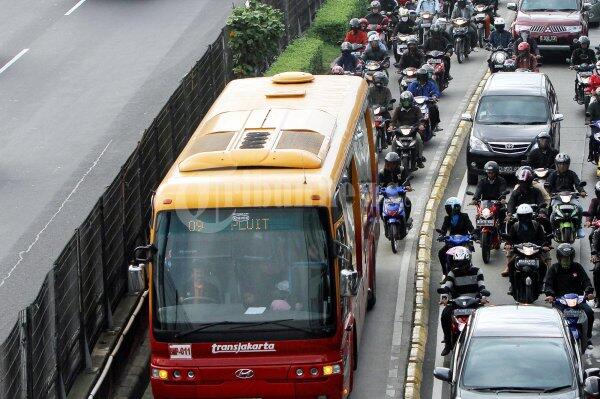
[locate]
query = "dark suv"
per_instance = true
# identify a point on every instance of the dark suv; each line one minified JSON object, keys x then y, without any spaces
{"x":514,"y":351}
{"x":514,"y":107}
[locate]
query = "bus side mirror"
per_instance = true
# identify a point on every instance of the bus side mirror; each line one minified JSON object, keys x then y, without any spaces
{"x":348,"y":283}
{"x":145,"y":253}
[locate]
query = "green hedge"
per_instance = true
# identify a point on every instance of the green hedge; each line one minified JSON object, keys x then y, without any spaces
{"x":331,"y":21}
{"x":304,"y":54}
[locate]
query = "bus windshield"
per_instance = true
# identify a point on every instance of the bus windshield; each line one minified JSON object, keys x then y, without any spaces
{"x":261,"y":271}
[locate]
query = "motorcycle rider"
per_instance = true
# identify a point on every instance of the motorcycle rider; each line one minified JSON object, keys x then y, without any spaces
{"x":583,"y":54}
{"x":348,"y":61}
{"x":388,"y":5}
{"x":394,"y":173}
{"x":464,"y":9}
{"x":424,"y":86}
{"x":379,"y":94}
{"x":355,"y":35}
{"x":525,"y":37}
{"x":364,"y":25}
{"x":462,"y":279}
{"x":525,"y":192}
{"x":524,"y":59}
{"x":376,"y":18}
{"x":564,"y":179}
{"x":408,"y":114}
{"x":492,"y":186}
{"x":412,"y":56}
{"x":569,"y":277}
{"x":404,"y":26}
{"x":500,"y":37}
{"x":543,"y":155}
{"x":432,"y":6}
{"x":455,"y":222}
{"x":593,"y":215}
{"x":437,"y":41}
{"x":375,"y":51}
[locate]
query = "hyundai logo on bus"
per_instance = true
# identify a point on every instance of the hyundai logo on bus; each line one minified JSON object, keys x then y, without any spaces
{"x":244,"y":374}
{"x":243,"y":347}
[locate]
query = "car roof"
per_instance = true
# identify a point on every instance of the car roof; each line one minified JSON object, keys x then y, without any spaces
{"x":516,"y":83}
{"x":517,"y":321}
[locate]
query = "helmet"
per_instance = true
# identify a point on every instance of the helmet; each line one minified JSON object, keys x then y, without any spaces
{"x":354,"y":23}
{"x":392,"y":157}
{"x":584,"y":40}
{"x":337,"y":70}
{"x":374,"y":38}
{"x":461,"y":258}
{"x":592,"y":385}
{"x":435,"y":28}
{"x":499,"y":23}
{"x":375,"y":4}
{"x":380,"y":78}
{"x":452,"y":205}
{"x":562,"y":158}
{"x":565,"y":253}
{"x":364,"y":22}
{"x":542,"y":135}
{"x":491,"y":166}
{"x":524,"y":213}
{"x":523,"y":46}
{"x":524,"y":31}
{"x":403,"y":14}
{"x":411,"y":40}
{"x":406,"y":99}
{"x":422,"y":75}
{"x":346,"y":46}
{"x":429,"y":69}
{"x":524,"y":175}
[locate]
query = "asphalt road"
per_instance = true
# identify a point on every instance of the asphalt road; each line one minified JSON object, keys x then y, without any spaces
{"x":574,"y":143}
{"x":76,"y":93}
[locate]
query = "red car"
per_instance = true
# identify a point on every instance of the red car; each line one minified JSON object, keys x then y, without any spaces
{"x":555,"y":24}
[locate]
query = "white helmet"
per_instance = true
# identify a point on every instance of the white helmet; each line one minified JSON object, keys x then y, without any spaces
{"x":499,"y":21}
{"x":524,"y":209}
{"x":461,"y":258}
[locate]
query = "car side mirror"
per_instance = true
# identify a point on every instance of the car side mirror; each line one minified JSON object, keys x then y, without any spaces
{"x":557,"y":117}
{"x":591,"y":372}
{"x":512,"y":6}
{"x":591,"y":388}
{"x":348,"y":283}
{"x":467,"y":117}
{"x":443,"y":374}
{"x":469,"y":192}
{"x":144,"y":253}
{"x":392,"y":101}
{"x":587,"y":6}
{"x":485,"y":293}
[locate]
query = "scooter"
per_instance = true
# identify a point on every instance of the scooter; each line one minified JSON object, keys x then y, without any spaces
{"x":570,"y":307}
{"x":584,"y":71}
{"x":405,"y":145}
{"x":565,"y":217}
{"x":399,"y":45}
{"x":456,"y":240}
{"x":481,"y":19}
{"x":382,"y":123}
{"x":529,"y":272}
{"x":460,"y":33}
{"x":487,"y":221}
{"x":372,"y":66}
{"x":409,"y":75}
{"x":435,"y":58}
{"x":396,"y":222}
{"x":595,"y":138}
{"x":501,"y":60}
{"x":423,"y":103}
{"x":464,"y":307}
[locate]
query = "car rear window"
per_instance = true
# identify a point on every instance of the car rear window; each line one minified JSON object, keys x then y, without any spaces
{"x":549,"y":5}
{"x":512,"y":110}
{"x":517,"y":363}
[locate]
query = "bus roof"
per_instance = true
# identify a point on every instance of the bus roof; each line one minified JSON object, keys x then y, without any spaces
{"x":277,"y":141}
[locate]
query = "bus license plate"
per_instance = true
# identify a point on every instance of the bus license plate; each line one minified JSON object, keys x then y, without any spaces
{"x":485,"y":222}
{"x":572,"y":313}
{"x":548,"y":38}
{"x":463,"y":312}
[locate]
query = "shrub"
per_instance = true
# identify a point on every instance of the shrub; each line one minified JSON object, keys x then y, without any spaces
{"x":304,"y":54}
{"x":331,"y":21}
{"x":254,"y":33}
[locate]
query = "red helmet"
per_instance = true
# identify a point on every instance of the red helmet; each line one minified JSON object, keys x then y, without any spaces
{"x":523,"y":46}
{"x":363,"y":22}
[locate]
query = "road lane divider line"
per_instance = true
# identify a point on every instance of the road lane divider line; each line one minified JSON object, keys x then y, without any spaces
{"x":418,"y":340}
{"x":14,"y":59}
{"x":75,"y":7}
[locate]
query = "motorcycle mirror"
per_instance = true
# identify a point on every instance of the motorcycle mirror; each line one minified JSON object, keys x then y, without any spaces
{"x":506,"y":192}
{"x":439,"y":231}
{"x":485,"y":293}
{"x":591,"y":372}
{"x":583,"y":184}
{"x":441,"y":290}
{"x":469,"y":192}
{"x":392,"y":101}
{"x":586,"y":214}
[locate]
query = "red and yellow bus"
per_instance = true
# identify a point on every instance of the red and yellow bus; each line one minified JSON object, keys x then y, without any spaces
{"x":264,"y":236}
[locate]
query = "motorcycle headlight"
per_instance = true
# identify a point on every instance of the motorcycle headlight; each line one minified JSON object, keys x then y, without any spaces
{"x":486,"y":213}
{"x":477,"y":145}
{"x":573,"y":29}
{"x":499,"y":57}
{"x":585,"y":80}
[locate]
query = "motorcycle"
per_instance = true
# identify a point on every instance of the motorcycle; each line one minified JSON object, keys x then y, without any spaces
{"x":481,"y":19}
{"x":423,"y":103}
{"x":501,"y":60}
{"x":487,"y":222}
{"x":380,"y":31}
{"x":372,"y":66}
{"x":456,"y":240}
{"x":382,"y":123}
{"x":399,"y":45}
{"x":464,"y":307}
{"x":529,"y":272}
{"x":435,"y":58}
{"x":584,"y":71}
{"x":424,"y":23}
{"x":409,"y":75}
{"x":595,"y":148}
{"x":394,"y":215}
{"x":358,"y":49}
{"x":565,"y":216}
{"x":570,"y":307}
{"x":404,"y":145}
{"x":460,"y":34}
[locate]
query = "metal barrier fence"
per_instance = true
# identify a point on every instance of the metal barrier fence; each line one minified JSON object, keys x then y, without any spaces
{"x":51,"y":342}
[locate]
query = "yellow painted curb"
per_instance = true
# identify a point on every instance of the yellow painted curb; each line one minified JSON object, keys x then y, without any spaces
{"x":414,"y":368}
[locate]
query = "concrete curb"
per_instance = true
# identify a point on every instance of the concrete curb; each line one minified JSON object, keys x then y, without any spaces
{"x":418,"y":341}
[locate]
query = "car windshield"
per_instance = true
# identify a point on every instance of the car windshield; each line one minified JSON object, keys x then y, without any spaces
{"x":512,"y":110}
{"x":549,"y":5}
{"x":517,"y":363}
{"x":244,"y":270}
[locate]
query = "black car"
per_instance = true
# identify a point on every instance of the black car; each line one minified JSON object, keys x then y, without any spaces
{"x":514,"y":107}
{"x":515,"y":351}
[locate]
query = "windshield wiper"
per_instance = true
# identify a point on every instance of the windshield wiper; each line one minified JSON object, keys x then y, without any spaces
{"x":208,"y":325}
{"x":508,"y":389}
{"x":534,"y":123}
{"x":556,"y":389}
{"x":280,"y":323}
{"x":507,"y":123}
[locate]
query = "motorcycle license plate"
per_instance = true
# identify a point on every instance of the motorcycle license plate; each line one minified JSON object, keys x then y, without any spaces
{"x":548,"y":39}
{"x":426,"y":25}
{"x":435,"y":61}
{"x":463,"y":312}
{"x":571,"y":313}
{"x":485,"y":222}
{"x":528,"y":262}
{"x":508,"y":169}
{"x":480,"y":25}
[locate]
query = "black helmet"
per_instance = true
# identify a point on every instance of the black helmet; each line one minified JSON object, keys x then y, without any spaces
{"x":562,"y":158}
{"x":543,"y":135}
{"x":435,"y":28}
{"x":380,"y":78}
{"x":346,"y":47}
{"x":392,"y":157}
{"x":354,"y":23}
{"x":422,"y":75}
{"x":597,"y":189}
{"x":491,"y":166}
{"x":407,"y":99}
{"x":584,"y":40}
{"x":591,"y":387}
{"x":565,"y":253}
{"x":411,"y":41}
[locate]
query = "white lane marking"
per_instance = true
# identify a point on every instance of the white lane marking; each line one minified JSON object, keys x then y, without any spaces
{"x":75,"y":7}
{"x":463,"y":187}
{"x":60,"y":208}
{"x":15,"y":58}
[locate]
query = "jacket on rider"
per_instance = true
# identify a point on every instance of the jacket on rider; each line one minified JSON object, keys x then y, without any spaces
{"x":436,"y":42}
{"x":464,"y":282}
{"x":406,"y":117}
{"x":347,"y":61}
{"x":500,"y":39}
{"x":522,"y":195}
{"x":594,"y":110}
{"x":358,"y":37}
{"x":520,"y":233}
{"x":583,"y":56}
{"x":429,"y":89}
{"x":542,"y":159}
{"x":568,"y":181}
{"x":466,"y":12}
{"x":490,"y":190}
{"x":405,"y":28}
{"x":376,"y":18}
{"x":560,"y":281}
{"x":395,"y":176}
{"x":388,"y":5}
{"x":527,"y":61}
{"x":380,"y":95}
{"x":372,"y":54}
{"x":593,"y":83}
{"x":412,"y":59}
{"x":459,"y":225}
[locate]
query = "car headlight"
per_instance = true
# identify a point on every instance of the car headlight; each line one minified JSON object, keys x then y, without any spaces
{"x":476,"y":144}
{"x":573,"y":29}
